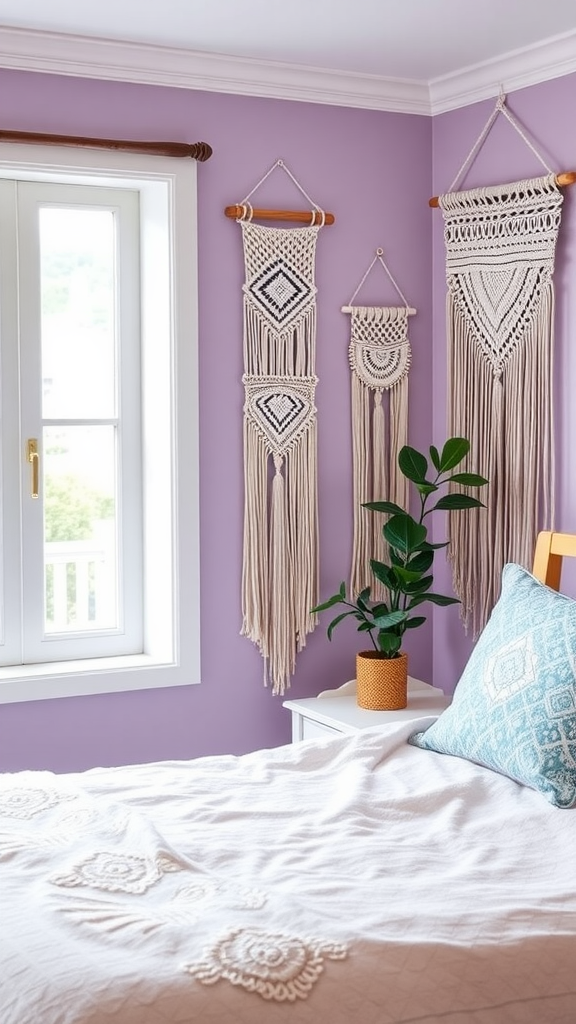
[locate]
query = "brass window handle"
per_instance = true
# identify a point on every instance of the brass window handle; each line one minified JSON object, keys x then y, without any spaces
{"x":34,"y":459}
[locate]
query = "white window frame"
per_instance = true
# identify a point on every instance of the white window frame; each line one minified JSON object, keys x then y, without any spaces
{"x":167,"y":193}
{"x":125,"y":636}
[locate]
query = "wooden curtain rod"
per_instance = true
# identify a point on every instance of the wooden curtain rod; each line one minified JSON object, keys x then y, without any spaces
{"x":196,"y":150}
{"x":566,"y":178}
{"x":236,"y":213}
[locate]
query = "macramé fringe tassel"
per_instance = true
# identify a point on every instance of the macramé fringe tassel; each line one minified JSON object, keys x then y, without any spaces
{"x":280,"y":576}
{"x":376,"y":476}
{"x":510,"y":425}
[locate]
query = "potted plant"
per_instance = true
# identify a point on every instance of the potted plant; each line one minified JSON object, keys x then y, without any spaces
{"x":407,"y":578}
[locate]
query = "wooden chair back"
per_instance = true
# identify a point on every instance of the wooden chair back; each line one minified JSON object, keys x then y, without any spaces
{"x":551,"y":548}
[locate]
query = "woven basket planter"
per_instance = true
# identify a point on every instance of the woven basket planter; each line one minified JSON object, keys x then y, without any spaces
{"x":381,"y":683}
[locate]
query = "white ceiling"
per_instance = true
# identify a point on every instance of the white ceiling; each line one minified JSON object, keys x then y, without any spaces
{"x":415,"y":42}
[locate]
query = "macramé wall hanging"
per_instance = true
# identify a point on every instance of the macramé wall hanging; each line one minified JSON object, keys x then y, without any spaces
{"x":379,"y":354}
{"x":280,"y":557}
{"x":500,"y":249}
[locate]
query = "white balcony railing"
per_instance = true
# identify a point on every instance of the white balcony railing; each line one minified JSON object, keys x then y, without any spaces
{"x":80,"y":583}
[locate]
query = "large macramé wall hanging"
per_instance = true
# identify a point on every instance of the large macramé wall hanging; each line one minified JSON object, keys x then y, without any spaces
{"x":280,"y":558}
{"x":379,"y":354}
{"x":500,"y":250}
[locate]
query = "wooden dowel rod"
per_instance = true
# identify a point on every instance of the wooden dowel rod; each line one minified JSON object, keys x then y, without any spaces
{"x":566,"y":178}
{"x":300,"y":215}
{"x":409,"y":310}
{"x":196,"y":150}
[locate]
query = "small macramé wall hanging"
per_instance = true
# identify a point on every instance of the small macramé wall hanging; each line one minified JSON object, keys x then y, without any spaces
{"x":500,"y":250}
{"x":380,"y":356}
{"x":280,"y":556}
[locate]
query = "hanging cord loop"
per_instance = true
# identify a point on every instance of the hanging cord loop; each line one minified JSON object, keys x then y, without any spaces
{"x":379,"y":256}
{"x":500,"y":108}
{"x":280,"y":163}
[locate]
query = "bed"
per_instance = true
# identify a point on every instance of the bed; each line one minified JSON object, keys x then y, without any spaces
{"x":357,"y":879}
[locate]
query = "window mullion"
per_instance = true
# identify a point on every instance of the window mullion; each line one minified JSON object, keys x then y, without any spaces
{"x":31,"y":420}
{"x":11,"y":442}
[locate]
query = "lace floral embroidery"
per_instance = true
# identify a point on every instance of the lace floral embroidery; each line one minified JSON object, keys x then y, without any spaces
{"x":118,"y":872}
{"x":274,"y":965}
{"x":25,"y":802}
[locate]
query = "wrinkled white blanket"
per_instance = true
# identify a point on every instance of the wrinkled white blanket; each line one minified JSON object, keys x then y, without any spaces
{"x":352,"y":880}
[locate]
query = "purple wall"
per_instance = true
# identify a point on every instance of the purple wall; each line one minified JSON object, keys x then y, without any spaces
{"x":373,"y":170}
{"x":546,"y":111}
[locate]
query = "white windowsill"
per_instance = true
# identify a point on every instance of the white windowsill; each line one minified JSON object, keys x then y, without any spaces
{"x":94,"y":675}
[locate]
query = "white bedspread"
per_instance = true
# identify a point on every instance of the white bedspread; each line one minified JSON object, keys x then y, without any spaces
{"x":352,"y":880}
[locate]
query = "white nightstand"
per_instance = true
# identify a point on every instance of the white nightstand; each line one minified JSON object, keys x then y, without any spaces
{"x":337,"y":711}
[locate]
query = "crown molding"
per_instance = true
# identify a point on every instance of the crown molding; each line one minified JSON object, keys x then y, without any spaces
{"x":113,"y":60}
{"x":516,"y":69}
{"x":81,"y":56}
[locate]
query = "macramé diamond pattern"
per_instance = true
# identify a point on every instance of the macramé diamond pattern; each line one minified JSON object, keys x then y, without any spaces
{"x":280,"y":291}
{"x":281,"y":409}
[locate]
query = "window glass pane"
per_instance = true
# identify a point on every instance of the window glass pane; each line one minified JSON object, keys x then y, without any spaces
{"x":80,"y":507}
{"x":78,"y":312}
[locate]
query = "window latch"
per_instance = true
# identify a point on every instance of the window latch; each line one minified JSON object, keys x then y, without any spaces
{"x":33,"y":459}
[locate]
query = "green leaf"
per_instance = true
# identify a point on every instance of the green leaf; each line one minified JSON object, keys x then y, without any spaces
{"x":365,"y":627}
{"x":362,"y":599}
{"x":417,"y":620}
{"x":413,"y":464}
{"x":343,"y":591}
{"x":468,"y":479}
{"x":418,"y":588}
{"x":395,"y":558}
{"x":389,"y":507}
{"x":407,"y":575}
{"x":335,"y":622}
{"x":434,"y":599}
{"x":435,"y":456}
{"x":457,"y":501}
{"x":455,"y":449}
{"x":380,"y":609}
{"x":386,"y":574}
{"x":392,"y":619}
{"x":426,"y":488}
{"x":389,"y":644}
{"x":335,"y":599}
{"x":421,"y":562}
{"x":404,"y":533}
{"x":427,"y":546}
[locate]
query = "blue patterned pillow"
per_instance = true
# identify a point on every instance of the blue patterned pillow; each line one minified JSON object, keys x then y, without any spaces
{"x":514,"y":709}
